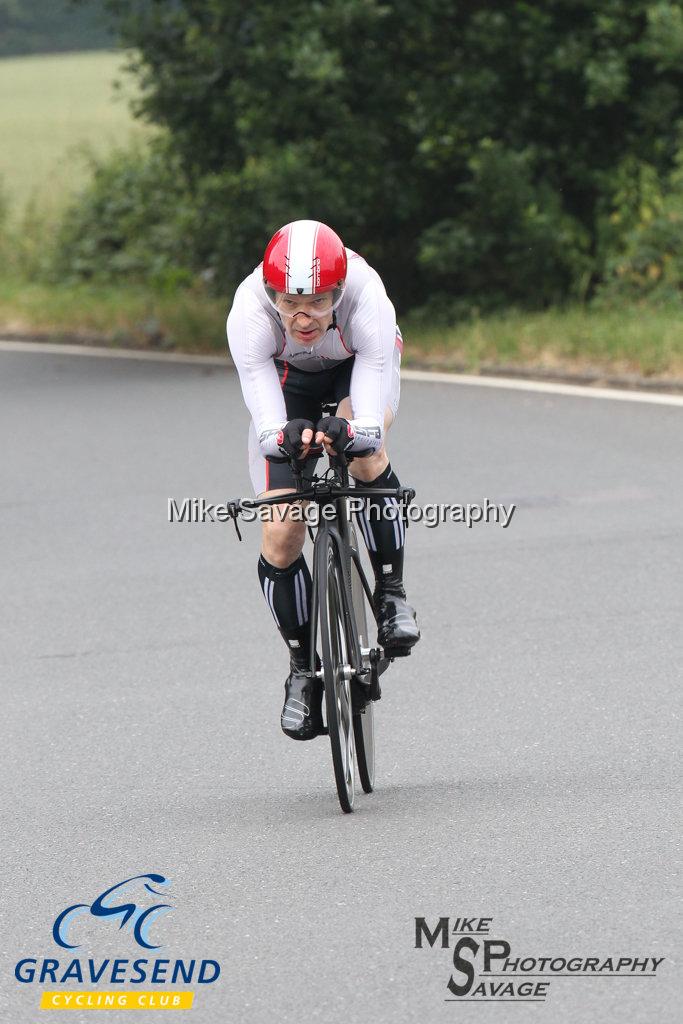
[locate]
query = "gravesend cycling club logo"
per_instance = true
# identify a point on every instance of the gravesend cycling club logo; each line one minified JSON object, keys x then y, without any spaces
{"x":134,"y":907}
{"x":483,"y":967}
{"x":137,"y":918}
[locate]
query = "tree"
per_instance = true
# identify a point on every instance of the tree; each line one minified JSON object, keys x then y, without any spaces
{"x":465,"y":146}
{"x":32,"y":26}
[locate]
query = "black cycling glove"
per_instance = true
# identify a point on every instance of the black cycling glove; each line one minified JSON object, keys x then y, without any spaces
{"x":339,"y":430}
{"x":289,"y":439}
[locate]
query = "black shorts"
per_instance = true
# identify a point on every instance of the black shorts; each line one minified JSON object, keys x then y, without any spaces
{"x":306,"y":393}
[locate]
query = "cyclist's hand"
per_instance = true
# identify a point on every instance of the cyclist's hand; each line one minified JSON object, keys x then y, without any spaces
{"x":295,"y":438}
{"x":335,"y":433}
{"x":307,"y":438}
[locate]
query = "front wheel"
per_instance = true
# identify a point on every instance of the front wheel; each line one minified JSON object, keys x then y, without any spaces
{"x":337,"y":669}
{"x":363,"y":708}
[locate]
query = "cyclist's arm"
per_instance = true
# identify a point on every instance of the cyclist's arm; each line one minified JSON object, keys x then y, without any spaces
{"x":253,"y":346}
{"x":373,"y":337}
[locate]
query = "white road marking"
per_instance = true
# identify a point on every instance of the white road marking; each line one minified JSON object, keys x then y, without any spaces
{"x":39,"y":347}
{"x":425,"y":376}
{"x":544,"y":387}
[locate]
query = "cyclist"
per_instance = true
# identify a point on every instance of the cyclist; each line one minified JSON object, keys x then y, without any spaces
{"x":311,"y":325}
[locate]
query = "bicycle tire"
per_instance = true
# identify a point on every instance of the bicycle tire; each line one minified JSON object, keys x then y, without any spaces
{"x":363,"y":708}
{"x":335,"y":667}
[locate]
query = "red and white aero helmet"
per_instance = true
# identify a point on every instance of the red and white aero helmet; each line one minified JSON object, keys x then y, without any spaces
{"x":305,"y":257}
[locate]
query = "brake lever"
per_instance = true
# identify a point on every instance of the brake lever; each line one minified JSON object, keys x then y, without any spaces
{"x":234,"y":511}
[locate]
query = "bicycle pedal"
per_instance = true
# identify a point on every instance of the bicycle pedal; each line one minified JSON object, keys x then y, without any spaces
{"x":397,"y":652}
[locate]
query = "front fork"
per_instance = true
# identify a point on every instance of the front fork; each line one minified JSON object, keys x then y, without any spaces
{"x":368,"y":662}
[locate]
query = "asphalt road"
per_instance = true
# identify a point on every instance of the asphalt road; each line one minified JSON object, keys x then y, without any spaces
{"x":527,"y":761}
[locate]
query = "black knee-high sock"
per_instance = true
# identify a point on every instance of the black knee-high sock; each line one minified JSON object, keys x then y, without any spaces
{"x":383,"y":528}
{"x":288,"y":594}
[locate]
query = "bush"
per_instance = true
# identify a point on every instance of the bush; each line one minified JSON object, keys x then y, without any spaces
{"x":647,"y":262}
{"x":26,"y":242}
{"x":142,"y":220}
{"x":512,"y":243}
{"x":130,"y":223}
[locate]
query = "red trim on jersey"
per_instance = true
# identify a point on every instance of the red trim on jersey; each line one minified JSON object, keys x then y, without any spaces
{"x":284,"y":376}
{"x":341,"y":336}
{"x":399,"y":342}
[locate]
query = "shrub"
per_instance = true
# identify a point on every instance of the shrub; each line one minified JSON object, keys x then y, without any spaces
{"x":512,"y":243}
{"x":647,"y":263}
{"x":129,"y":223}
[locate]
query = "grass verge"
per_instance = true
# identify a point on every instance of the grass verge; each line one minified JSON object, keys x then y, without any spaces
{"x":630,"y":341}
{"x":116,"y":315}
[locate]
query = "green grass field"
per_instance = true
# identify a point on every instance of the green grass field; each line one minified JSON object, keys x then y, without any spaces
{"x":52,"y":107}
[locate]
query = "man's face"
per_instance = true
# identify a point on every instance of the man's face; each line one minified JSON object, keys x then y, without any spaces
{"x":305,"y":317}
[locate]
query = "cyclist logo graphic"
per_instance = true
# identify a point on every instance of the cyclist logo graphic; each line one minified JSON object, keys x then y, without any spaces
{"x":137,"y":918}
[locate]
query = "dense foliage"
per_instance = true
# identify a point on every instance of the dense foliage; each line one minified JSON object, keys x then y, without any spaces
{"x":129,"y":224}
{"x":477,"y":152}
{"x":34,"y":26}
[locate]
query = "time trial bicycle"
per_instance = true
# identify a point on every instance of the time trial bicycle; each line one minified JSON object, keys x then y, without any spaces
{"x":341,"y":608}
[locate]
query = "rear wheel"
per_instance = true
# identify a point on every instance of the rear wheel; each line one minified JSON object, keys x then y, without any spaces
{"x":337,"y":670}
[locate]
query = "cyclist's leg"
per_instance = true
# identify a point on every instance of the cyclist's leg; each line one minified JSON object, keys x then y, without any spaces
{"x":383,"y":529}
{"x":369,"y":468}
{"x":283,"y":572}
{"x":283,"y":538}
{"x":384,"y":533}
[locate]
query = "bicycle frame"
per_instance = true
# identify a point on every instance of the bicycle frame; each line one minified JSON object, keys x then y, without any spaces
{"x":339,"y":529}
{"x":327,"y":493}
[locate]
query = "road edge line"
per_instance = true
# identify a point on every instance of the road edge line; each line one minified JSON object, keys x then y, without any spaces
{"x":421,"y":376}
